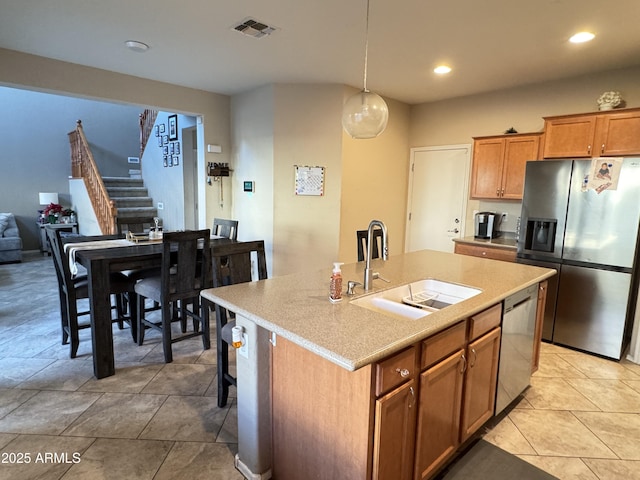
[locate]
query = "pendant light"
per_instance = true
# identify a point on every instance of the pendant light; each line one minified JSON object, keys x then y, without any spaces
{"x":365,"y":114}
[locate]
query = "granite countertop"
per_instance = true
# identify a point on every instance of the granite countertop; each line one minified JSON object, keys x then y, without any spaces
{"x":297,"y":306}
{"x":506,"y":241}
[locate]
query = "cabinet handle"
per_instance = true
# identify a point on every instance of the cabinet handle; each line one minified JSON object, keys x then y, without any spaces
{"x":475,"y":357}
{"x":497,"y":192}
{"x":502,"y":192}
{"x":464,"y":364}
{"x":404,"y":373}
{"x":602,"y":149}
{"x":589,"y":149}
{"x":413,"y":397}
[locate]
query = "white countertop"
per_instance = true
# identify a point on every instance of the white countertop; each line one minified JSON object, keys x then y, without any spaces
{"x":297,"y":306}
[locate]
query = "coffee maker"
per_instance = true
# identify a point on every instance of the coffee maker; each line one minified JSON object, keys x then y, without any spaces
{"x":487,"y":225}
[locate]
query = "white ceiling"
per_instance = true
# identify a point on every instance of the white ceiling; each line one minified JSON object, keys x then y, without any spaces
{"x":491,"y":44}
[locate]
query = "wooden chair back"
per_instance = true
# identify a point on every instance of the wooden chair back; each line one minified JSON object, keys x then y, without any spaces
{"x":63,"y":272}
{"x":186,"y":264}
{"x":232,"y":262}
{"x":134,"y":224}
{"x":225,"y":228}
{"x":362,"y":243}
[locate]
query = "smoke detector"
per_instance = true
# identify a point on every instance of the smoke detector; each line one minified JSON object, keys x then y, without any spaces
{"x":253,"y":28}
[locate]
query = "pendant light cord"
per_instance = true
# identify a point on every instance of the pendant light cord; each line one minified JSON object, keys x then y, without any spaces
{"x":366,"y":49}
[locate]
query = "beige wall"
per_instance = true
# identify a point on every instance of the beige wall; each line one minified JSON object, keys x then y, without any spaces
{"x":252,"y":150}
{"x":307,"y":132}
{"x":458,"y":120}
{"x":42,"y":74}
{"x":273,"y":132}
{"x":374,"y":182}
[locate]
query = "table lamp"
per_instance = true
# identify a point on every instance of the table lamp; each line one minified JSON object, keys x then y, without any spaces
{"x":47,"y":198}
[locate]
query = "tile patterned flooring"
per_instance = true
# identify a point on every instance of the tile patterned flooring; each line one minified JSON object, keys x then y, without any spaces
{"x":580,"y":419}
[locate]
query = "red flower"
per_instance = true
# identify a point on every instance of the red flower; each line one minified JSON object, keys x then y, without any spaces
{"x":52,"y":209}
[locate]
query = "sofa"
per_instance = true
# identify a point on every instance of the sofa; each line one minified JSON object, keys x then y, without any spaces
{"x":10,"y":241}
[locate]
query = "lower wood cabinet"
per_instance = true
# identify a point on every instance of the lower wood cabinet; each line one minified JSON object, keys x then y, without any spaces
{"x":480,"y":382}
{"x":438,"y":430}
{"x":394,"y":434}
{"x":537,"y":333}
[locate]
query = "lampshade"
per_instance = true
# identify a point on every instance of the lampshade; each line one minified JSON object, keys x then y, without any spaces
{"x":365,"y":115}
{"x":47,"y":198}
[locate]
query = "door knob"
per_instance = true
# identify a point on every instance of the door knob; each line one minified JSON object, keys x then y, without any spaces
{"x":455,"y":230}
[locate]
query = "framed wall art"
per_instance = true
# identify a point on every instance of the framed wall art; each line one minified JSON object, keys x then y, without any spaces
{"x":173,"y":127}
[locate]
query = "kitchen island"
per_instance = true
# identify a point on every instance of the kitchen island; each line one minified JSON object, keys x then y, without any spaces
{"x":318,"y":365}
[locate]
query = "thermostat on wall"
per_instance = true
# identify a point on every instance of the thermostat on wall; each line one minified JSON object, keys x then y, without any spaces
{"x":248,"y":186}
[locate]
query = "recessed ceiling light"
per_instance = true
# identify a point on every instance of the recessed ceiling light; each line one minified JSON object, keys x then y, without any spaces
{"x":442,"y":69}
{"x":582,"y":37}
{"x":136,"y":46}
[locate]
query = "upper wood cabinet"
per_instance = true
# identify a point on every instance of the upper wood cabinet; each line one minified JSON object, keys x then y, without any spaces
{"x":610,"y":133}
{"x":499,"y":164}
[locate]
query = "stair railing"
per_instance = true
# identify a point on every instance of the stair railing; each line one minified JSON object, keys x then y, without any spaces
{"x":83,"y":166}
{"x":147,"y":121}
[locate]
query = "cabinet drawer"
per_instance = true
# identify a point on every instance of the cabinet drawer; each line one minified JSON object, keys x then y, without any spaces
{"x":442,"y":344}
{"x":482,"y":322}
{"x":485,"y":252}
{"x":395,"y":370}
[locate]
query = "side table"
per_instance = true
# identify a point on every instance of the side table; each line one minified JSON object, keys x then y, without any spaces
{"x":65,"y":227}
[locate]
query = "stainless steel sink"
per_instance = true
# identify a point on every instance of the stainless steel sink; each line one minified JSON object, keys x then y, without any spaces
{"x":418,"y":299}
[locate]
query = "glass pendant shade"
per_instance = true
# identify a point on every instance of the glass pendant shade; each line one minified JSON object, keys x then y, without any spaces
{"x":365,"y":115}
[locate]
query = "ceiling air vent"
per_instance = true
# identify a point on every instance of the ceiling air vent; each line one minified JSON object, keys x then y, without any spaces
{"x":254,"y":28}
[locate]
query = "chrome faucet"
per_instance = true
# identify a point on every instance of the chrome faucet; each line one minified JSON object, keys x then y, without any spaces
{"x":368,"y":274}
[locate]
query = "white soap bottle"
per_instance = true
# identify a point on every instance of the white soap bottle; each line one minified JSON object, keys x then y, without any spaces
{"x":335,"y":286}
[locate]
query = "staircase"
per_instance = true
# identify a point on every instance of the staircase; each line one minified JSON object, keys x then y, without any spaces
{"x":130,"y":197}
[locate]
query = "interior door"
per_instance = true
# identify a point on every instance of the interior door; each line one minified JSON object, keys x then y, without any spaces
{"x":438,"y":189}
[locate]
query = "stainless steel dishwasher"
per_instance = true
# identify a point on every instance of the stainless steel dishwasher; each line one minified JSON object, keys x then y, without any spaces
{"x":516,"y":349}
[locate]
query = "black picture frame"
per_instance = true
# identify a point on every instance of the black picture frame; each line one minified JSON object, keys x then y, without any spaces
{"x":176,"y":160}
{"x":165,"y":161}
{"x":157,"y":130}
{"x":173,"y":127}
{"x":177,"y":148}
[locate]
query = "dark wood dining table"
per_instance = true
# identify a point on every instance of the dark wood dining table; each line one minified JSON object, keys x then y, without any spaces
{"x":99,"y":264}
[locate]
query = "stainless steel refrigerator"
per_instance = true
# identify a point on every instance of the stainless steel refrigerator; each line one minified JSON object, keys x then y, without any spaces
{"x":591,"y":239}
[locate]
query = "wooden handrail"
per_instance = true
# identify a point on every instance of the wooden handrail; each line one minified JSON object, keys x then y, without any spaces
{"x":84,"y":166}
{"x":147,"y":121}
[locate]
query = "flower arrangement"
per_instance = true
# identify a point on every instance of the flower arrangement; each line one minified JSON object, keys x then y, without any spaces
{"x":52,"y":209}
{"x":609,"y":100}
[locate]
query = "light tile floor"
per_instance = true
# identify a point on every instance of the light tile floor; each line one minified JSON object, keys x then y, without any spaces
{"x":150,"y":420}
{"x":580,"y":419}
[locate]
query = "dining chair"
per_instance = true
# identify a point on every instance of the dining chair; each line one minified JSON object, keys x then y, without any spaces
{"x":71,"y":289}
{"x":232,"y":264}
{"x":185,"y":271}
{"x":225,"y":228}
{"x":362,"y":244}
{"x":134,"y":224}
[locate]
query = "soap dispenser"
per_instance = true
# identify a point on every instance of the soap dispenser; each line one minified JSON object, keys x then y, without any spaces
{"x":335,"y":287}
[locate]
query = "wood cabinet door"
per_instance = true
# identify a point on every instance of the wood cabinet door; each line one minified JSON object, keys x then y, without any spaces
{"x":618,"y":134}
{"x":437,"y":435}
{"x":569,"y":137}
{"x":394,"y":434}
{"x":486,"y":169}
{"x":537,"y":334}
{"x":481,"y":378}
{"x":517,"y":152}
